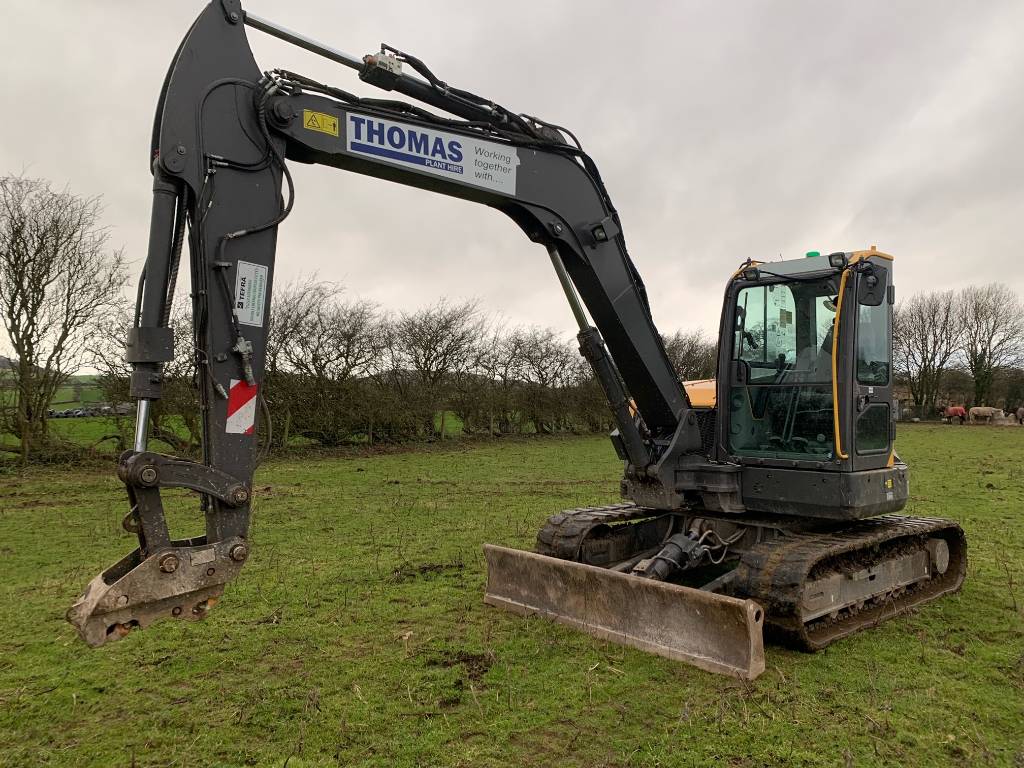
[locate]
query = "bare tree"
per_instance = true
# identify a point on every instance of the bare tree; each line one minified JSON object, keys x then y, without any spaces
{"x":546,"y":359}
{"x":590,"y":405}
{"x":175,"y":417}
{"x":8,"y":401}
{"x":490,"y":391}
{"x":57,"y":275}
{"x":428,"y":347}
{"x":992,"y":334}
{"x":926,"y":336}
{"x":476,"y":389}
{"x":692,"y":354}
{"x":547,"y":364}
{"x":293,"y":306}
{"x":1008,"y":389}
{"x":336,"y":341}
{"x":330,"y":356}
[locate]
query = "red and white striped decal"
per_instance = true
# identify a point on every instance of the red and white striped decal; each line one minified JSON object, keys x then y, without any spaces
{"x":241,"y":408}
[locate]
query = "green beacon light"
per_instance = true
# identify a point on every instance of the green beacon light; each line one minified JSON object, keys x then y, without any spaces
{"x":812,"y":254}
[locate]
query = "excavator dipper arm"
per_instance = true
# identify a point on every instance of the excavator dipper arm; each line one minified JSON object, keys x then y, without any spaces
{"x":223,"y":135}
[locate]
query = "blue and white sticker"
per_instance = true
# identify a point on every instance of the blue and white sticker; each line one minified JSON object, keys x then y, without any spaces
{"x":459,"y":158}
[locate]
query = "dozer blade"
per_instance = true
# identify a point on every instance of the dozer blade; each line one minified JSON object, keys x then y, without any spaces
{"x":714,"y":632}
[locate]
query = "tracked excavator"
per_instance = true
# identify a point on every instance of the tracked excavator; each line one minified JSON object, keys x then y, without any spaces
{"x":763,"y":502}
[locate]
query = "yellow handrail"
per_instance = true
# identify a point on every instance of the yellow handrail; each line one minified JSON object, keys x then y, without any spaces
{"x":835,"y":347}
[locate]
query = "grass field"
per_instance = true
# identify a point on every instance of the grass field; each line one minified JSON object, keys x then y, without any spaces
{"x":356,"y":634}
{"x":97,"y":432}
{"x":76,"y":392}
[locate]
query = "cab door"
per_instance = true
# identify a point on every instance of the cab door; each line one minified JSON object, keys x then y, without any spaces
{"x":777,"y":404}
{"x":872,"y":416}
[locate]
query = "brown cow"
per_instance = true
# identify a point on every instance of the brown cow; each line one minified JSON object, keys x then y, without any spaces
{"x":951,"y":412}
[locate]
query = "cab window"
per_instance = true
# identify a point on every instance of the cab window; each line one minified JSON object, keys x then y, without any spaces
{"x":873,"y":345}
{"x":780,"y":398}
{"x":766,"y":329}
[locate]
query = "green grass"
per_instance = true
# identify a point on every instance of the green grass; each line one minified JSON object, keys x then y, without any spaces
{"x":356,"y":634}
{"x":452,"y":424}
{"x":85,"y":431}
{"x":97,"y":433}
{"x":88,"y":431}
{"x":70,"y":395}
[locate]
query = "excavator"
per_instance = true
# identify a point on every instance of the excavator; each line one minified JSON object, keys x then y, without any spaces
{"x":762,"y":503}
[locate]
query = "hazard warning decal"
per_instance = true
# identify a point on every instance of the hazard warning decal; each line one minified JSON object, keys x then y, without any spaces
{"x":320,"y":121}
{"x":241,"y":408}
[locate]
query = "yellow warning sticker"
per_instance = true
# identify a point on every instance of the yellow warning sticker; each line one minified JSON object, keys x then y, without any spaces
{"x":319,"y":121}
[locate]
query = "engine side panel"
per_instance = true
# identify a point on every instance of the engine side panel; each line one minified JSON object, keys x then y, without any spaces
{"x":824,"y":494}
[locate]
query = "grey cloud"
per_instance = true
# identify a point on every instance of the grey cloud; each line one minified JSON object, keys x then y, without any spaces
{"x":723,"y":130}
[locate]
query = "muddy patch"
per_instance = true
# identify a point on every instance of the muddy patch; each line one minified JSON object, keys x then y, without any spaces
{"x":475,"y":665}
{"x":413,"y":571}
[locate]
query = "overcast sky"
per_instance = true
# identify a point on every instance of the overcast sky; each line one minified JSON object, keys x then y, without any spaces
{"x":724,"y":130}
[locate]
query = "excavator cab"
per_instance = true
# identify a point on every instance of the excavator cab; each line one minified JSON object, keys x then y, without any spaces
{"x":806,"y":368}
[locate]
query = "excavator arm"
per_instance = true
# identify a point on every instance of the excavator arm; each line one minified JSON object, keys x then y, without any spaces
{"x":223,"y":136}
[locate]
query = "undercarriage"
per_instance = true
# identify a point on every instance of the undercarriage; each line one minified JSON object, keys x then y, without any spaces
{"x":810,"y":582}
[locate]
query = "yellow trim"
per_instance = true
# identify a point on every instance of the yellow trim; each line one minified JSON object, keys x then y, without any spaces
{"x":835,"y":348}
{"x":701,"y":393}
{"x":861,"y":255}
{"x":892,"y":459}
{"x":744,"y":266}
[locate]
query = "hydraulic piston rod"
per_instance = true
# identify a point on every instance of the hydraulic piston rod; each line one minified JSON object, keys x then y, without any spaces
{"x":592,"y":347}
{"x":570,"y":291}
{"x":308,"y":43}
{"x":389,"y":79}
{"x":142,"y":426}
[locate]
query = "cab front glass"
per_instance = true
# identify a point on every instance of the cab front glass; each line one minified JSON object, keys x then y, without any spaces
{"x":780,"y":397}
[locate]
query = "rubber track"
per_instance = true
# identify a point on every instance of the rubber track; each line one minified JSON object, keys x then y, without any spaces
{"x":774,"y":573}
{"x":564,"y":533}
